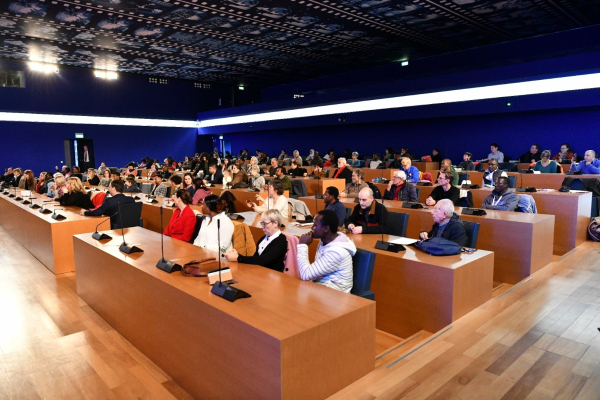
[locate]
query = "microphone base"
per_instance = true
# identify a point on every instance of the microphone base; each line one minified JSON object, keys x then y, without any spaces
{"x":34,"y":206}
{"x":58,"y":217}
{"x":18,"y":198}
{"x":228,"y":292}
{"x":168,"y":266}
{"x":387,"y":246}
{"x":101,"y":236}
{"x":412,"y":205}
{"x":11,"y":195}
{"x":45,"y":211}
{"x":125,"y":248}
{"x":473,"y":211}
{"x":318,"y":196}
{"x":25,"y":202}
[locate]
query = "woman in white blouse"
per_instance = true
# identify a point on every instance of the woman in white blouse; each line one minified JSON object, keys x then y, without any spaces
{"x":213,"y":207}
{"x":275,"y":200}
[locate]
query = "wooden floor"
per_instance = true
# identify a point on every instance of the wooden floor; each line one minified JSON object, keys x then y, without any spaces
{"x":534,"y":340}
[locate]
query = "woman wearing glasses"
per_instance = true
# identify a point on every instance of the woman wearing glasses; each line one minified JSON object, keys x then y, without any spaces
{"x":270,"y":249}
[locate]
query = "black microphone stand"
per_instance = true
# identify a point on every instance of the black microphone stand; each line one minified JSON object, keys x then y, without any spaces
{"x":102,"y":236}
{"x":166,"y":265}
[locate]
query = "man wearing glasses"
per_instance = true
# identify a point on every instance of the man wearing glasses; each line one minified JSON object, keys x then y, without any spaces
{"x":444,"y":190}
{"x":502,"y":198}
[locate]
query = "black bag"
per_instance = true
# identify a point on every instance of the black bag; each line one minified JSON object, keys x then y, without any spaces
{"x":240,"y":185}
{"x":438,"y":246}
{"x":594,"y":229}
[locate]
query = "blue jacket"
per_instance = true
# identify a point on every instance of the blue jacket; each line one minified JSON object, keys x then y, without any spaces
{"x":340,"y":211}
{"x":412,"y":174}
{"x":592,"y":168}
{"x":505,"y":202}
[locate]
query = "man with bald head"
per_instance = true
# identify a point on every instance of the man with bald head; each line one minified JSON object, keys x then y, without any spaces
{"x":368,"y":215}
{"x":447,"y":224}
{"x":589,"y":165}
{"x":412,"y":173}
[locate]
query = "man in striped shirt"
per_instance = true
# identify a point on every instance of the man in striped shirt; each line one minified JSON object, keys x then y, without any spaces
{"x":333,"y":260}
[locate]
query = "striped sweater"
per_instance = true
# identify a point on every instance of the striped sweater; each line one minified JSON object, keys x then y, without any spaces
{"x":332,"y":266}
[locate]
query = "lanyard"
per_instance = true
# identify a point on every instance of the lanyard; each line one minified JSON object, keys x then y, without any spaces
{"x":496,"y":203}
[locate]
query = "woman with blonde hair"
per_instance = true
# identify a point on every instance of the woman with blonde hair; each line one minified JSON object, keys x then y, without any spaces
{"x":76,"y":195}
{"x":59,"y":188}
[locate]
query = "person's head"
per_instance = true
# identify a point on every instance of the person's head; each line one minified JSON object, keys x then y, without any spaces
{"x":91,"y":173}
{"x":199,"y":183}
{"x":227,"y":172}
{"x":129,"y":181}
{"x":274,"y":162}
{"x":493,"y":165}
{"x":358,"y":176}
{"x":204,"y":157}
{"x":443,"y":211}
{"x":9,"y":170}
{"x":446,"y":164}
{"x":435,"y":151}
{"x":565,"y":148}
{"x":494,"y":147}
{"x":279,"y":172}
{"x":235,"y":169}
{"x":175,"y":180}
{"x":404,"y":150}
{"x":182,"y":198}
{"x":319,"y":167}
{"x":283,"y":151}
{"x":158,"y":179}
{"x":114,"y":175}
{"x":502,"y":184}
{"x":29,"y":175}
{"x":42,"y":176}
{"x":296,"y":153}
{"x":271,"y":221}
{"x":117,"y":185}
{"x":253,"y":160}
{"x":85,"y":148}
{"x":17,"y":171}
{"x":376,"y":157}
{"x":331,"y":194}
{"x":106,"y":174}
{"x":445,"y":177}
{"x":213,"y":204}
{"x":74,"y":185}
{"x":103,"y":164}
{"x":294,"y":164}
{"x":275,"y":188}
{"x":589,"y":156}
{"x":225,"y":162}
{"x":397,"y":155}
{"x":326,"y":222}
{"x":331,"y":153}
{"x":467,"y":156}
{"x":406,"y":163}
{"x":255,"y":170}
{"x":60,"y":180}
{"x":56,"y":175}
{"x":399,"y":177}
{"x":365,"y":197}
{"x":546,"y":155}
{"x":76,"y":169}
{"x":212,"y":168}
{"x":388,"y":150}
{"x":188,"y":180}
{"x":341,"y":162}
{"x":355,"y":155}
{"x":534,"y":148}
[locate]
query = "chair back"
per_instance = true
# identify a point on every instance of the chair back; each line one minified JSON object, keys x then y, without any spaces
{"x":363,"y":264}
{"x":508,"y":166}
{"x":375,"y":189}
{"x":512,"y":181}
{"x":199,"y":219}
{"x":462,"y":178}
{"x":467,"y":201}
{"x":418,"y":190}
{"x":397,"y":222}
{"x":168,"y":192}
{"x":472,"y":231}
{"x":129,"y":216}
{"x":348,"y":214}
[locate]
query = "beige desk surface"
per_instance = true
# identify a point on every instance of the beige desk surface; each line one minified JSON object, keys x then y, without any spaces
{"x":291,"y":339}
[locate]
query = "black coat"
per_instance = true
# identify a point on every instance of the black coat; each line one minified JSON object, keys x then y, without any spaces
{"x":111,"y":205}
{"x":95,"y":181}
{"x":217,"y":179}
{"x":345,"y":174}
{"x":76,"y":199}
{"x":454,"y":231}
{"x":407,"y":193}
{"x":272,"y":256}
{"x":371,"y":222}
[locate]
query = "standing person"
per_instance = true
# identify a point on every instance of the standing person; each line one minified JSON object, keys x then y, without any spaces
{"x":86,"y":158}
{"x":183,"y":221}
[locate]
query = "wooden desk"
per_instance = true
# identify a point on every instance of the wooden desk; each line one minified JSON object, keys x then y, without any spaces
{"x":49,"y":240}
{"x":426,"y":166}
{"x":319,"y":185}
{"x":572,"y":212}
{"x":291,"y":339}
{"x":522,"y":243}
{"x":241,"y":195}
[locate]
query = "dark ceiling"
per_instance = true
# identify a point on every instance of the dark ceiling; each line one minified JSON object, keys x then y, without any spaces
{"x":269,"y":42}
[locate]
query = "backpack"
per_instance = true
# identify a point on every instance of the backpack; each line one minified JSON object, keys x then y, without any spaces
{"x":438,"y":246}
{"x":594,"y":229}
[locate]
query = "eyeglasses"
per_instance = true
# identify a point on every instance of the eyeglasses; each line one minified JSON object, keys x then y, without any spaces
{"x":263,"y":224}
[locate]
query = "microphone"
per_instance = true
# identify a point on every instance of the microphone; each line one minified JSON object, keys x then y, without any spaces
{"x":221,"y":289}
{"x":29,"y":199}
{"x":17,"y":198}
{"x":382,"y":244}
{"x":12,"y":195}
{"x":58,"y":217}
{"x":102,"y":236}
{"x":44,"y":210}
{"x":124,"y":247}
{"x":33,"y":205}
{"x":166,"y":265}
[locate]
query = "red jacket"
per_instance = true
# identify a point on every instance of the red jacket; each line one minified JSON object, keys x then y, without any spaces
{"x":182,"y":227}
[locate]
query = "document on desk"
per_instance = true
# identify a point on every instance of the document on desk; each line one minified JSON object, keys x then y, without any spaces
{"x":402,"y":240}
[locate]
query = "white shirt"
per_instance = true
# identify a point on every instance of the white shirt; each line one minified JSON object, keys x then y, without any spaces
{"x":207,"y":238}
{"x":266,"y":241}
{"x":280,"y":205}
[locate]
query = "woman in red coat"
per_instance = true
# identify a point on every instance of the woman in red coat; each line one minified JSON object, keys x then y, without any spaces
{"x":183,"y":222}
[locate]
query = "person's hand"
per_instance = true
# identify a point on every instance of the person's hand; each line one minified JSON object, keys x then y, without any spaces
{"x":389,"y":186}
{"x":430,"y":201}
{"x":232,"y":255}
{"x":424,"y":235}
{"x":342,"y":194}
{"x":357,"y":230}
{"x":351,"y":226}
{"x":306,"y":238}
{"x":259,"y":198}
{"x":82,"y":212}
{"x":306,"y":174}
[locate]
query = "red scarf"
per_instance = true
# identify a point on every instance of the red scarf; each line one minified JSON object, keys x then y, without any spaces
{"x":339,"y":171}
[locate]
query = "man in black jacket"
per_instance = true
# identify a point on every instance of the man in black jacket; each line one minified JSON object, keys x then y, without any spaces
{"x":447,"y":224}
{"x":215,"y":176}
{"x":7,"y":178}
{"x":343,"y":171}
{"x":110,"y":206}
{"x":368,"y":215}
{"x":399,"y":190}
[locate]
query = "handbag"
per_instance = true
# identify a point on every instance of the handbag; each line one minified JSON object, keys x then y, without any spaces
{"x":594,"y":229}
{"x":198,"y":268}
{"x":438,"y":246}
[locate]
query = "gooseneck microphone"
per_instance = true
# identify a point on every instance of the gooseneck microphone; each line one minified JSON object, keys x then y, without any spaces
{"x":166,"y":265}
{"x":124,"y":247}
{"x":382,"y":244}
{"x":102,"y":236}
{"x":58,"y":217}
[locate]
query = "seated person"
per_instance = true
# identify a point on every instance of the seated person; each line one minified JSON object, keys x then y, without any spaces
{"x":375,"y":162}
{"x":275,"y":200}
{"x":165,"y":173}
{"x":208,"y":237}
{"x":412,"y":173}
{"x":101,"y":168}
{"x":343,"y":172}
{"x":389,"y":154}
{"x":495,"y":154}
{"x":318,"y":171}
{"x":435,"y":155}
{"x":447,"y":224}
{"x":114,"y":176}
{"x":404,"y":153}
{"x":274,"y":165}
{"x":295,"y":170}
{"x":201,"y":191}
{"x":28,"y":181}
{"x":41,"y":182}
{"x":111,"y":204}
{"x":18,"y":175}
{"x":333,"y":260}
{"x":131,"y":186}
{"x":188,"y":184}
{"x":445,"y":190}
{"x":396,"y":163}
{"x":256,"y":181}
{"x":283,"y":155}
{"x":92,"y":178}
{"x":59,"y":187}
{"x":589,"y":165}
{"x":227,"y":177}
{"x":310,"y":156}
{"x":215,"y":176}
{"x":368,"y":215}
{"x":446,"y":165}
{"x":77,"y":173}
{"x":533,"y":155}
{"x":183,"y":221}
{"x":491,"y":174}
{"x":76,"y":195}
{"x":271,"y":249}
{"x":330,"y":198}
{"x":7,"y":177}
{"x":297,"y":158}
{"x":159,"y":188}
{"x":246,"y":167}
{"x":565,"y":154}
{"x":354,"y":161}
{"x":357,"y":184}
{"x":263,"y":159}
{"x":502,"y":198}
{"x":467,"y":164}
{"x":317,"y":160}
{"x":398,"y":190}
{"x":285,"y":181}
{"x":546,"y":165}
{"x":238,"y":176}
{"x":175,"y":183}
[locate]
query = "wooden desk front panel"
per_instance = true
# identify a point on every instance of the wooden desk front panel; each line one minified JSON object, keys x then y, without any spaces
{"x":314,"y":186}
{"x":426,"y":166}
{"x":291,"y":339}
{"x":241,"y":195}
